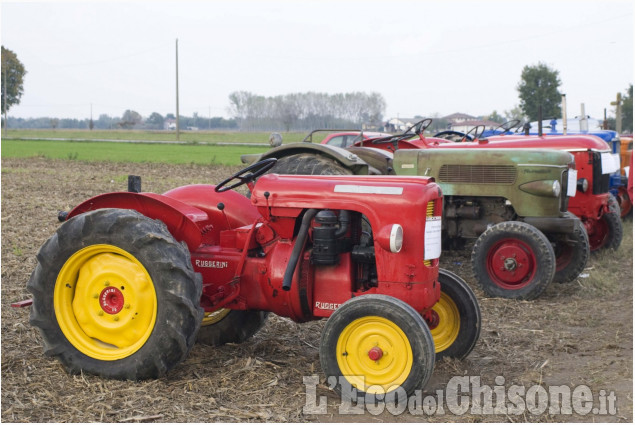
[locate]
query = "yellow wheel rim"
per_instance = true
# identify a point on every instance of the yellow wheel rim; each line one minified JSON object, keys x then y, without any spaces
{"x":446,"y":332}
{"x":213,"y":317}
{"x":105,"y":302}
{"x":374,"y":354}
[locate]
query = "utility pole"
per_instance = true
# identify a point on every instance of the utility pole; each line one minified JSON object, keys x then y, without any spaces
{"x":177,"y":89}
{"x":618,"y":113}
{"x":564,"y":114}
{"x":209,"y":112}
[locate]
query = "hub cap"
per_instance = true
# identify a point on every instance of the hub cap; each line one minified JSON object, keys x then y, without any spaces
{"x":105,"y":302}
{"x":511,"y":264}
{"x":374,"y":351}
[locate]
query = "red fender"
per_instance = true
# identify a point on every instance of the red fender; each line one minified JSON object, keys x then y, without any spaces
{"x":190,"y":212}
{"x":238,"y":209}
{"x":183,"y":221}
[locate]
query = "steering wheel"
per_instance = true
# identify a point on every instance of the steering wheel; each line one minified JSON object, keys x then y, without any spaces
{"x":419,"y":127}
{"x":476,"y":132}
{"x":453,"y":136}
{"x":506,"y":126}
{"x":247,"y":175}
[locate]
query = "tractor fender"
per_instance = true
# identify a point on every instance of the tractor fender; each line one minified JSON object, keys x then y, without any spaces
{"x":347,"y":159}
{"x":237,"y":208}
{"x":182,"y":220}
{"x":379,"y":160}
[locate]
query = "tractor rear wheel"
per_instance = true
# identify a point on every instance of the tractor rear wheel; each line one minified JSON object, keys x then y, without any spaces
{"x":572,"y":253}
{"x":309,"y":165}
{"x":624,"y":201}
{"x":230,"y":326}
{"x":114,"y":294}
{"x":513,"y":260}
{"x":456,"y":323}
{"x":377,"y":344}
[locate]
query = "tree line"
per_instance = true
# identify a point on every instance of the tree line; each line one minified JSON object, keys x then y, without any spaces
{"x":129,"y":120}
{"x":304,"y":111}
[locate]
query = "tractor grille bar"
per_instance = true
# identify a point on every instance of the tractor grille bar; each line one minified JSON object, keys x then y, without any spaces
{"x":478,"y":174}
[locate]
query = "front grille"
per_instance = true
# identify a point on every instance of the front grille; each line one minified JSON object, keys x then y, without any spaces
{"x":478,"y":174}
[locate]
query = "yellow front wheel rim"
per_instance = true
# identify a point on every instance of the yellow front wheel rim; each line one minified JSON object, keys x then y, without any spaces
{"x":105,"y":302}
{"x":449,"y":323}
{"x":213,"y":317}
{"x":374,"y":354}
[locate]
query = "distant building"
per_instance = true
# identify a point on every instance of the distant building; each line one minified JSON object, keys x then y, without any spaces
{"x":458,"y":118}
{"x":464,"y":122}
{"x":465,"y":126}
{"x":169,"y":124}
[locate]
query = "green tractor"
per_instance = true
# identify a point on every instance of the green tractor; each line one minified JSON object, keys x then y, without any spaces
{"x":513,"y":203}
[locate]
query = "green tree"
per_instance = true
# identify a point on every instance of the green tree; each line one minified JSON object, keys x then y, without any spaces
{"x":515,"y":114}
{"x":155,"y":120}
{"x":13,"y":71}
{"x":494,"y":116}
{"x":627,"y":110}
{"x":130,"y":119}
{"x":539,"y":87}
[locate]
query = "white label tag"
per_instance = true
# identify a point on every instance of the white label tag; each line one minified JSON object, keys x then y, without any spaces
{"x":379,"y":190}
{"x":572,"y":182}
{"x":609,"y":164}
{"x":432,"y":245}
{"x":627,"y":170}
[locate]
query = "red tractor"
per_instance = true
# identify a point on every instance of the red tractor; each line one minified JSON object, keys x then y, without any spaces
{"x":123,"y":286}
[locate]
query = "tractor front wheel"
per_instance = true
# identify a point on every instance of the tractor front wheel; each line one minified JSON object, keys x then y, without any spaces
{"x":605,"y":232}
{"x":572,"y":252}
{"x":114,"y":294}
{"x":513,"y":260}
{"x":230,"y":326}
{"x":455,"y":322}
{"x":379,"y":345}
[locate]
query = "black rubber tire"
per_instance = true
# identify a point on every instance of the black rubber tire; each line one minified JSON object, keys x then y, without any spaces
{"x":177,"y":287}
{"x":572,"y":252}
{"x":469,"y":313}
{"x":309,"y":164}
{"x":614,"y":232}
{"x":614,"y":206}
{"x":399,"y":313}
{"x":538,"y":247}
{"x":236,"y":327}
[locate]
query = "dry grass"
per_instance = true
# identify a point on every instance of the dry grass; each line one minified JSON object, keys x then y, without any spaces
{"x":577,"y":333}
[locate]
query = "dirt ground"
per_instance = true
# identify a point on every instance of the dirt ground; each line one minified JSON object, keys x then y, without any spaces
{"x":580,"y":333}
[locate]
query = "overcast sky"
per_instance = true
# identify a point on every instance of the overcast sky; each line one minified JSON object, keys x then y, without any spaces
{"x":424,"y":57}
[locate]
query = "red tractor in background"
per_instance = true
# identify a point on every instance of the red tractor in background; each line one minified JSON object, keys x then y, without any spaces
{"x":592,"y":203}
{"x":123,"y":286}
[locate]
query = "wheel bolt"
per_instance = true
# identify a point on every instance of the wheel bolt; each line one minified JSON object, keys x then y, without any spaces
{"x":95,"y":295}
{"x":100,"y":313}
{"x":116,"y":318}
{"x":127,"y":306}
{"x":107,"y":283}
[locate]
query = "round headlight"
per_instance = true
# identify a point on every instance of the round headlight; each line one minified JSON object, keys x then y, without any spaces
{"x":396,"y":238}
{"x":583,"y":185}
{"x":556,"y":188}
